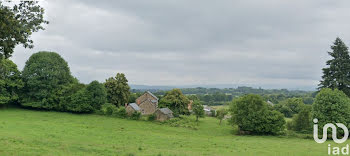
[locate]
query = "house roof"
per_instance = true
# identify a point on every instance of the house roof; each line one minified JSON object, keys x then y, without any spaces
{"x":166,"y":111}
{"x":152,"y":94}
{"x":134,"y":106}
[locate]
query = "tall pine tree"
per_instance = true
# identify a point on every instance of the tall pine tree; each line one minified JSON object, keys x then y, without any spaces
{"x":337,"y":72}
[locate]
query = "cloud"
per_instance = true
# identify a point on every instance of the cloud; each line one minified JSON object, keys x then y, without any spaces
{"x":157,"y":42}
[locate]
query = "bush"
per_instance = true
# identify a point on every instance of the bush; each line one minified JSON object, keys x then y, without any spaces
{"x":97,"y":94}
{"x":182,"y":121}
{"x":331,"y":106}
{"x":135,"y":116}
{"x":80,"y":102}
{"x":120,"y":112}
{"x":301,"y":122}
{"x":152,"y":117}
{"x":108,"y":109}
{"x":252,"y":116}
{"x":81,"y":99}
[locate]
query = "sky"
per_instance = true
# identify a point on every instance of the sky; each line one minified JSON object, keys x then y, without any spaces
{"x":270,"y":43}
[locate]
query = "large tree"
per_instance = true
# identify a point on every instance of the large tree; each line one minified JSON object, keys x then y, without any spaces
{"x":337,"y":73}
{"x":45,"y":75}
{"x":118,"y":90}
{"x":10,"y":82}
{"x":17,"y":23}
{"x":175,"y":101}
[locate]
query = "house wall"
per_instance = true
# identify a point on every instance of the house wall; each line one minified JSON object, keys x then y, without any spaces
{"x":147,"y":107}
{"x":161,"y":116}
{"x":129,"y":110}
{"x":144,"y":97}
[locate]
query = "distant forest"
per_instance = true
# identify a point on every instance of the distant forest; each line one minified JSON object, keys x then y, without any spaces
{"x":216,"y":96}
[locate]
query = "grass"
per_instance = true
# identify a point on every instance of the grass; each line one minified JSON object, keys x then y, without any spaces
{"x":28,"y":132}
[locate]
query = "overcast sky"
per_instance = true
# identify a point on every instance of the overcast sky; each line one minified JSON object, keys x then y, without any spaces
{"x":270,"y":43}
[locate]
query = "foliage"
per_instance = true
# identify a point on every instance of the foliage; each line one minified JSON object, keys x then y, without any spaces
{"x":290,"y":106}
{"x":120,"y":112}
{"x":331,"y":106}
{"x":108,"y":109}
{"x":97,"y":94}
{"x":80,"y":102}
{"x":152,"y":117}
{"x":252,"y":116}
{"x":175,"y":101}
{"x":17,"y":25}
{"x":198,"y":109}
{"x":135,"y":115}
{"x":221,"y":114}
{"x":336,"y":74}
{"x":118,"y":90}
{"x":182,"y":121}
{"x":301,"y":122}
{"x":10,"y":82}
{"x":45,"y":75}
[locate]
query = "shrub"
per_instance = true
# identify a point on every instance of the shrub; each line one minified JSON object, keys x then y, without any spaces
{"x":182,"y":121}
{"x":301,"y":122}
{"x":45,"y":75}
{"x":108,"y":109}
{"x":78,"y":98}
{"x":252,"y":116}
{"x":331,"y":106}
{"x":135,"y":116}
{"x":97,"y":94}
{"x":120,"y":112}
{"x":80,"y":102}
{"x":152,"y":117}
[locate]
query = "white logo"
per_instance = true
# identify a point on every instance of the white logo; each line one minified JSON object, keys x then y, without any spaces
{"x":334,"y":132}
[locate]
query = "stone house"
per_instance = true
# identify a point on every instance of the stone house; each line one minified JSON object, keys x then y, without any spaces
{"x":164,"y":114}
{"x":131,"y":108}
{"x":148,"y":103}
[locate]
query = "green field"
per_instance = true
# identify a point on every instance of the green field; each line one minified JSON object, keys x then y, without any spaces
{"x":28,"y":132}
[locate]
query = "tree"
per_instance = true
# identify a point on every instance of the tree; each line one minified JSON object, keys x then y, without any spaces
{"x":97,"y":94}
{"x":221,"y":114}
{"x":45,"y":75}
{"x":118,"y":90}
{"x":175,"y":101}
{"x":290,"y":106}
{"x":251,"y":114}
{"x":198,"y":109}
{"x":18,"y":24}
{"x":331,"y":106}
{"x":337,"y":74}
{"x":10,"y":82}
{"x":302,"y":122}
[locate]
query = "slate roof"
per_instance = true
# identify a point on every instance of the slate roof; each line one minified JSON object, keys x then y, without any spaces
{"x":152,"y":95}
{"x":166,"y":111}
{"x":134,"y":106}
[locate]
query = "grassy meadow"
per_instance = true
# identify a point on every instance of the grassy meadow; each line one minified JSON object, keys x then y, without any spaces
{"x":28,"y":132}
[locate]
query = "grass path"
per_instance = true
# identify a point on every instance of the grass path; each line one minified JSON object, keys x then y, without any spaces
{"x":27,"y":132}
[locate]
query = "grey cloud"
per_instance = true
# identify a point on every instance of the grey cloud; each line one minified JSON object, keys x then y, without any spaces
{"x":157,"y":42}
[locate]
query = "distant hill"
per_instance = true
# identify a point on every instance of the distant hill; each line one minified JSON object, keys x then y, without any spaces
{"x":219,"y":86}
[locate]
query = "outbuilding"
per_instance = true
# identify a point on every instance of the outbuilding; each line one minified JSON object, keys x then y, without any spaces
{"x":164,"y":114}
